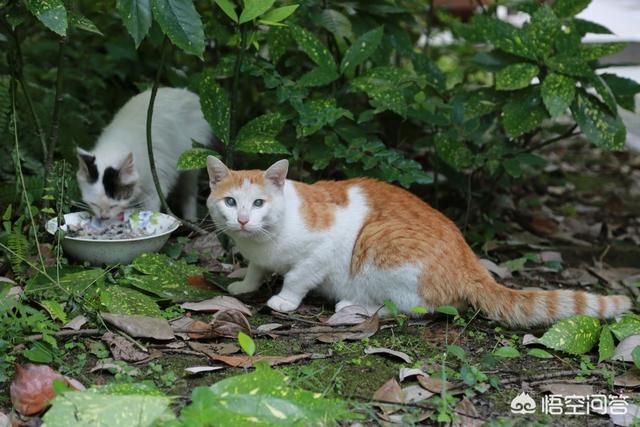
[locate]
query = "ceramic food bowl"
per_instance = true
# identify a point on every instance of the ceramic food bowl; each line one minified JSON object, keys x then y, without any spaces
{"x":116,"y":241}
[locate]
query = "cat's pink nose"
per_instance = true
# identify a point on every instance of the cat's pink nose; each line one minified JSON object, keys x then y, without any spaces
{"x":243,"y":221}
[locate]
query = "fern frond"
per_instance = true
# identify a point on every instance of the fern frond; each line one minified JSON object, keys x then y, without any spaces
{"x":19,"y":246}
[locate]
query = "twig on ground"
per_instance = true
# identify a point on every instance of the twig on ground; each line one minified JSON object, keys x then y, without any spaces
{"x":294,"y":318}
{"x":547,"y":376}
{"x":67,"y":333}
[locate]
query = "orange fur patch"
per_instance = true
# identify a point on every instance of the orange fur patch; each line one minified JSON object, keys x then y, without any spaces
{"x":580,"y":302}
{"x":236,"y":179}
{"x":552,"y":304}
{"x":320,"y":200}
{"x":602,"y":306}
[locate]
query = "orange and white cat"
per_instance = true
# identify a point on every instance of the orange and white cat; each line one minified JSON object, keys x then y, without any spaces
{"x":362,"y":241}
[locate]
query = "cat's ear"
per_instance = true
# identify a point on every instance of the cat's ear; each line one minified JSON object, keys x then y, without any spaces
{"x":217,"y":171}
{"x":87,"y":169}
{"x":127,"y":170}
{"x":277,"y":172}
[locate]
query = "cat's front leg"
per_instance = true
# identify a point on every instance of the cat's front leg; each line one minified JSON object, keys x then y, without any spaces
{"x":251,"y":282}
{"x":297,"y":283}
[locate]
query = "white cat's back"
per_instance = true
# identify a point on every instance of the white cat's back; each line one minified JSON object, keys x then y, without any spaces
{"x":177,"y":120}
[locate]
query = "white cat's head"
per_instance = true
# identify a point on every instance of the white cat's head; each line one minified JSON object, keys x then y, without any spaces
{"x":247,"y":203}
{"x":108,"y":190}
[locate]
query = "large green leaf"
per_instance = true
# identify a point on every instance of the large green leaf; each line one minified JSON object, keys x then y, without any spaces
{"x":91,"y":408}
{"x":83,"y":23}
{"x":542,"y":31}
{"x":524,"y":112}
{"x":278,"y":14}
{"x":228,"y":8}
{"x":278,"y":40}
{"x":120,"y":300}
{"x":195,"y":158}
{"x":628,"y":325}
{"x":453,"y":150}
{"x":253,"y":9}
{"x":361,"y":49}
{"x":166,"y":278}
{"x":335,"y":22}
{"x":384,"y":86}
{"x":430,"y":71}
{"x":623,"y":89}
{"x":566,"y":8}
{"x":478,"y":103}
{"x":51,"y":13}
{"x":136,"y":15}
{"x":310,"y":44}
{"x":259,"y":135}
{"x":319,"y":76}
{"x":502,"y":35}
{"x":606,"y":349}
{"x":516,"y":76}
{"x":317,"y":113}
{"x":597,"y":124}
{"x":575,"y":335}
{"x":180,"y":21}
{"x":558,"y":92}
{"x":216,"y":107}
{"x":605,"y":93}
{"x":593,"y":51}
{"x":261,"y":398}
{"x":570,"y":65}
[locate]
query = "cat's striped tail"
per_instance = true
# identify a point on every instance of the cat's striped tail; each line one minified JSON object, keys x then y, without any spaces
{"x":528,"y":308}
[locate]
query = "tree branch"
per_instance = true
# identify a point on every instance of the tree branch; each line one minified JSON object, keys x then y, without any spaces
{"x":233,"y":125}
{"x":57,"y":108}
{"x":152,"y":161}
{"x":16,"y":63}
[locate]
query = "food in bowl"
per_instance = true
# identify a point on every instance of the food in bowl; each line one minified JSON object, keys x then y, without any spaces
{"x":116,"y":241}
{"x":128,"y":225}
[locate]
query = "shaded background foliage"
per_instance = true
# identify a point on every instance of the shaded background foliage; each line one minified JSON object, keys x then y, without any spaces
{"x":342,"y":88}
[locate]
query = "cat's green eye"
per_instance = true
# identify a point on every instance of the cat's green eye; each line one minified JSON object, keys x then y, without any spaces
{"x":258,"y":203}
{"x":230,"y":201}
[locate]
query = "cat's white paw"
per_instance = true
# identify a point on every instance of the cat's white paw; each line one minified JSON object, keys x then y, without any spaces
{"x":241,"y":287}
{"x":282,"y":305}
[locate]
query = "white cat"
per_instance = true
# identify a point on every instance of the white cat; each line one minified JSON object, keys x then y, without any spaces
{"x":116,"y":175}
{"x":362,"y":241}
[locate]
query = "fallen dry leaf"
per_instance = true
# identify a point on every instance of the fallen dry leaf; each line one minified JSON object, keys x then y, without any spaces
{"x":268,"y":327}
{"x":248,"y":362}
{"x":141,"y":326}
{"x":529,"y":339}
{"x":625,"y":347}
{"x":123,"y":349}
{"x":631,"y":378}
{"x":196,"y":329}
{"x":76,"y":323}
{"x":218,"y":303}
{"x":200,"y":369}
{"x":501,"y":272}
{"x":435,"y":385}
{"x":32,"y":387}
{"x":349,"y":315}
{"x":546,"y":256}
{"x":468,"y":414}
{"x":630,"y":418}
{"x":410,"y":372}
{"x":357,"y":332}
{"x":565,"y":389}
{"x":382,"y":350}
{"x":218,"y":348}
{"x":415,"y":393}
{"x":227,"y":323}
{"x":389,"y":392}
